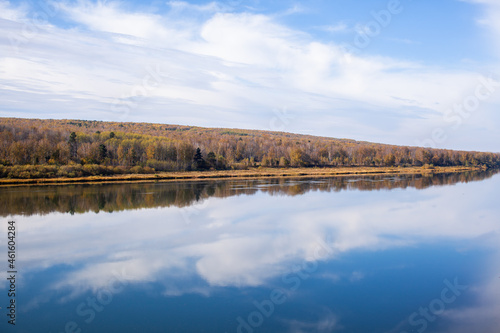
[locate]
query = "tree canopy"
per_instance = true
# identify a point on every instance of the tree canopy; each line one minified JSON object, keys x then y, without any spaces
{"x":142,"y":147}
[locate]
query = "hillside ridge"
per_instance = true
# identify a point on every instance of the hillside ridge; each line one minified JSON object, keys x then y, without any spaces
{"x":76,"y":148}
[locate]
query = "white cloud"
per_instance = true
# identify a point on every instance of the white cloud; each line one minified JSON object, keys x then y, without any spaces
{"x":239,"y":64}
{"x":230,"y":243}
{"x":295,"y":9}
{"x":490,"y":19}
{"x":327,"y":323}
{"x":109,"y":17}
{"x":9,"y":12}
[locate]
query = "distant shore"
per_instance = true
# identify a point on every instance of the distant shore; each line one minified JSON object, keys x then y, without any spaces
{"x":242,"y":174}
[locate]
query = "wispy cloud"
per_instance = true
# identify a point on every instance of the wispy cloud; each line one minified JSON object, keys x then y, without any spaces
{"x":326,"y":324}
{"x":336,"y":28}
{"x":211,"y":7}
{"x":10,"y":12}
{"x":490,"y":18}
{"x":295,"y":9}
{"x":237,"y":64}
{"x":403,"y":41}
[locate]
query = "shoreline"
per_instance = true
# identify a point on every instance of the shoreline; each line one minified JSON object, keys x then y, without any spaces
{"x":252,"y":173}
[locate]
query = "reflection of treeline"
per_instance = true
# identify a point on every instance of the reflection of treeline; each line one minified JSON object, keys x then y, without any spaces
{"x":81,"y":198}
{"x":34,"y":148}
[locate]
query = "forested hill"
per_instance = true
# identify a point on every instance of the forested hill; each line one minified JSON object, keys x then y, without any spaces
{"x":81,"y":147}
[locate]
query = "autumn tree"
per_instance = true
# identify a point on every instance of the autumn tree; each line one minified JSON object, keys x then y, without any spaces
{"x":298,"y":158}
{"x":389,"y":159}
{"x":212,"y":160}
{"x":185,"y":154}
{"x":171,"y":147}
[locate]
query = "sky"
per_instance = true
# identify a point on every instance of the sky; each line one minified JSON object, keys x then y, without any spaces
{"x":408,"y":72}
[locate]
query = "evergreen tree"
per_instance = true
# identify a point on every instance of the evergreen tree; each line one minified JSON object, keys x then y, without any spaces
{"x":103,"y":152}
{"x":199,"y":162}
{"x":73,"y":147}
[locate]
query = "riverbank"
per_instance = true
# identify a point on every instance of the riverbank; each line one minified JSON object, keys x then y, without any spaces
{"x":250,"y":173}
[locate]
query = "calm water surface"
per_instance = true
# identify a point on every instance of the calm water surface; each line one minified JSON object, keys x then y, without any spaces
{"x":359,"y":254}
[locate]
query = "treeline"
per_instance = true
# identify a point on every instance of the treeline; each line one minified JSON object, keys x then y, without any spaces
{"x":79,"y":198}
{"x":31,"y":148}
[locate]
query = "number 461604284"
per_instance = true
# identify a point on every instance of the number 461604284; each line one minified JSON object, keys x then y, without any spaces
{"x":11,"y":235}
